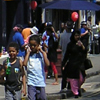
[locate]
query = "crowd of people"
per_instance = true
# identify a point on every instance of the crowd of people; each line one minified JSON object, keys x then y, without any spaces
{"x":32,"y":56}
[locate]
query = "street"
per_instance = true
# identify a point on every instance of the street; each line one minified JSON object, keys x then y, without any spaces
{"x":1,"y":92}
{"x":91,"y":85}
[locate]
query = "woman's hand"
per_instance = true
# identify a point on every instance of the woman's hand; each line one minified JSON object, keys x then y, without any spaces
{"x":79,"y":43}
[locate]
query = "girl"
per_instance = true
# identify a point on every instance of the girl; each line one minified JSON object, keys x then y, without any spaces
{"x":35,"y":60}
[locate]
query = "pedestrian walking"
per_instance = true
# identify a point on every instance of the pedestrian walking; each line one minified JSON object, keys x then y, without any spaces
{"x":73,"y":63}
{"x":14,"y":72}
{"x":85,"y":35}
{"x":64,"y":40}
{"x":18,"y":38}
{"x":52,"y":52}
{"x":35,"y":60}
{"x":45,"y":40}
{"x":27,"y":32}
{"x":89,"y":27}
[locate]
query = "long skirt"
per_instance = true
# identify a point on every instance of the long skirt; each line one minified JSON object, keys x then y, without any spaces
{"x":76,"y":84}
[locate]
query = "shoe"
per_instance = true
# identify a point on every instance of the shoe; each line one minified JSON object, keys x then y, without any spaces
{"x":76,"y":96}
{"x":48,"y":77}
{"x":68,"y":86}
{"x":63,"y":90}
{"x":80,"y":94}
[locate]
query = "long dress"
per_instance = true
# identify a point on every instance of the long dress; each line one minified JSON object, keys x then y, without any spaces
{"x":75,"y":57}
{"x":52,"y":53}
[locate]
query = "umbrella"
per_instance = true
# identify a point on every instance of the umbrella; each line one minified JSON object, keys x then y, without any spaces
{"x":70,"y":5}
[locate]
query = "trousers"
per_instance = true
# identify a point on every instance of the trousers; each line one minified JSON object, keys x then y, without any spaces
{"x":76,"y":84}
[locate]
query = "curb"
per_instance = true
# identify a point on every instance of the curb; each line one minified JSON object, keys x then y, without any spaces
{"x":93,"y":74}
{"x":63,"y":95}
{"x":67,"y":94}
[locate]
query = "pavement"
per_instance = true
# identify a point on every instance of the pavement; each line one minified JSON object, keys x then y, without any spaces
{"x":53,"y":91}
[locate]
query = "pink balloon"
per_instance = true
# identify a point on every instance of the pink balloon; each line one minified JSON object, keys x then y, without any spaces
{"x":33,"y":5}
{"x":74,"y":16}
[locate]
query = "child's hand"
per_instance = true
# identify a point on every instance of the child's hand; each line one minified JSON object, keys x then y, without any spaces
{"x":24,"y":92}
{"x":28,"y":49}
{"x":40,"y":49}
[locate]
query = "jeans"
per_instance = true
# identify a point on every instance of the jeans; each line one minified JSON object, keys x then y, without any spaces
{"x":36,"y":93}
{"x":11,"y":96}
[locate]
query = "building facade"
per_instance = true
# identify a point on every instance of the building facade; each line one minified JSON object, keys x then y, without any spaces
{"x":14,"y":12}
{"x":58,"y":16}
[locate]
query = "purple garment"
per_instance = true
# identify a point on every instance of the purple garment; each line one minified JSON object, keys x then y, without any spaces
{"x":36,"y":93}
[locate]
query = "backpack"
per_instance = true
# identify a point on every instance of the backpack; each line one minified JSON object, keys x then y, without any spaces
{"x":2,"y":75}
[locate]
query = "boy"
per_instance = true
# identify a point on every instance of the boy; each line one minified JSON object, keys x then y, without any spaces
{"x":13,"y":84}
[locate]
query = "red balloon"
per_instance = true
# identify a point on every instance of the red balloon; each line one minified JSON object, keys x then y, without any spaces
{"x":33,"y":5}
{"x":74,"y":16}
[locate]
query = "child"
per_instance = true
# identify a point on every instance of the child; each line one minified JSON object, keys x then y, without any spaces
{"x":35,"y":60}
{"x":13,"y":84}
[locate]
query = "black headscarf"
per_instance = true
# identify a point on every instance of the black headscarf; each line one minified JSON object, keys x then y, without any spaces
{"x":72,"y":38}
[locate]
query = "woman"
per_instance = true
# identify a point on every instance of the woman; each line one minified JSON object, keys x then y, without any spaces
{"x":73,"y":62}
{"x":52,"y":53}
{"x":18,"y":38}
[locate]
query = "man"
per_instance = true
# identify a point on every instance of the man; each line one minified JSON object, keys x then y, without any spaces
{"x":84,"y":35}
{"x":64,"y":40}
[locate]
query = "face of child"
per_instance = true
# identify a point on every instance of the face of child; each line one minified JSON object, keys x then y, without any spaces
{"x":34,"y":46}
{"x":12,"y":52}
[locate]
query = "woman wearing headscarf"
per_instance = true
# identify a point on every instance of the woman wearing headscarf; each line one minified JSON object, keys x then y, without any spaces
{"x":18,"y":38}
{"x":73,"y":62}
